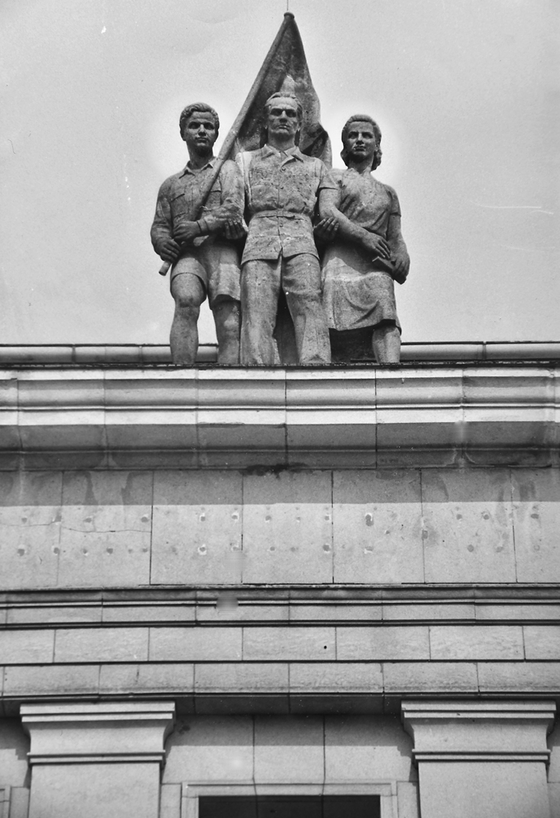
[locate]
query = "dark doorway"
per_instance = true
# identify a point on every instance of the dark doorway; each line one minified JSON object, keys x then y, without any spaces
{"x":291,"y":806}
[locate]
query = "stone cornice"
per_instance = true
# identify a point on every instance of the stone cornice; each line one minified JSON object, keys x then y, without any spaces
{"x":358,"y":417}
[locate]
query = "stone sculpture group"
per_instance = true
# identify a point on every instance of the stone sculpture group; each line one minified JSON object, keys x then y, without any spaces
{"x":282,"y":240}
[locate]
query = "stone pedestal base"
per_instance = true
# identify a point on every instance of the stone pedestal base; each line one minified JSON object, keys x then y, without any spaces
{"x":481,"y":760}
{"x":96,"y":760}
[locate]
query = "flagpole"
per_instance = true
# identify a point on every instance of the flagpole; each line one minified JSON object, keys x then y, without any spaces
{"x":229,"y":141}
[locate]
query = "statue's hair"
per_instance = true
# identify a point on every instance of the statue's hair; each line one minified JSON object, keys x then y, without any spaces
{"x":378,"y":153}
{"x":198,"y":107}
{"x":280,"y":95}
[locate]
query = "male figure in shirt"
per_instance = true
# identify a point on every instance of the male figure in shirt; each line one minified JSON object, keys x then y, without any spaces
{"x":368,"y":252}
{"x":283,"y":191}
{"x":205,"y":260}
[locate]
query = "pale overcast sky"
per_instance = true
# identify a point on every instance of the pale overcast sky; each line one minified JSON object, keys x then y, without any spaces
{"x":466,"y":93}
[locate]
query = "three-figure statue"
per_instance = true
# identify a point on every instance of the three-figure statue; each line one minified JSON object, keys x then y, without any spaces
{"x":203,"y":250}
{"x":368,"y":252}
{"x":283,"y":191}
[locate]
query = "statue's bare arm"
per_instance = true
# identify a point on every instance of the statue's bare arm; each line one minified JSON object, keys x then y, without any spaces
{"x":333,"y":221}
{"x":399,"y":253}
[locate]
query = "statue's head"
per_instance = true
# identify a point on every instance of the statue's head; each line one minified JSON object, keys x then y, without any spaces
{"x":199,"y":125}
{"x":361,"y":138}
{"x":283,"y":114}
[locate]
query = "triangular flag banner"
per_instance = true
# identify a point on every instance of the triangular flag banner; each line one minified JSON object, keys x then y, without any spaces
{"x":284,"y":69}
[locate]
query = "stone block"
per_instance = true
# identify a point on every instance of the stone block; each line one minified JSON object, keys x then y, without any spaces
{"x":427,"y":612}
{"x":51,"y":680}
{"x":340,"y":611}
{"x":382,"y":643}
{"x":228,"y":607}
{"x":536,"y":520}
{"x":144,"y":612}
{"x":170,"y":801}
{"x":22,"y":647}
{"x":101,"y":645}
{"x":106,"y":529}
{"x":210,"y":749}
{"x":366,"y":748}
{"x":430,"y":677}
{"x":521,"y":612}
{"x":95,"y":790}
{"x":45,"y":614}
{"x":519,"y":677}
{"x":197,"y":527}
{"x":19,"y":802}
{"x":30,"y":513}
{"x":472,"y":642}
{"x":542,"y":642}
{"x":407,"y":799}
{"x":195,"y":644}
{"x":468,"y":528}
{"x":554,"y":796}
{"x":289,"y":750}
{"x":292,"y":643}
{"x":335,"y":677}
{"x":377,"y":520}
{"x":242,"y":677}
{"x":287,"y":528}
{"x":139,"y":679}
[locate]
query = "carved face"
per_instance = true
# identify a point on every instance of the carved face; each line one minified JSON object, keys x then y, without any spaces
{"x":200,"y":133}
{"x":283,"y":118}
{"x":360,"y":142}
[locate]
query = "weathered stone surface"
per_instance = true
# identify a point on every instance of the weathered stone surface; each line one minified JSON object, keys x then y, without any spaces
{"x":51,"y":680}
{"x":289,"y":750}
{"x":197,"y":528}
{"x":287,"y":527}
{"x":289,"y":643}
{"x":335,"y":677}
{"x":468,"y":528}
{"x":101,"y":645}
{"x":426,"y":677}
{"x":377,"y":520}
{"x":536,"y":520}
{"x":106,"y":529}
{"x":19,"y":647}
{"x":30,"y":514}
{"x":382,"y":643}
{"x":468,"y":642}
{"x":195,"y":644}
{"x":359,"y":748}
{"x":203,"y":745}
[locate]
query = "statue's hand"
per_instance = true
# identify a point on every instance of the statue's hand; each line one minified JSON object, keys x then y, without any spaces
{"x":326,"y":229}
{"x":400,"y":267}
{"x":233,"y":229}
{"x":185,"y":232}
{"x":376,"y":245}
{"x":168,"y":250}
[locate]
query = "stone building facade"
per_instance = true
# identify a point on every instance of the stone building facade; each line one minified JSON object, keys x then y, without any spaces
{"x":280,"y":592}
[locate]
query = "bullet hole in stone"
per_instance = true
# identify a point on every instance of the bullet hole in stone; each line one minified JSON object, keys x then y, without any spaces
{"x":369,"y":519}
{"x":459,"y":516}
{"x":298,"y":519}
{"x":145,"y":519}
{"x":145,"y":549}
{"x":327,"y":518}
{"x":293,"y":549}
{"x":202,"y":549}
{"x":21,"y":551}
{"x":57,"y":516}
{"x":425,"y":534}
{"x":84,"y":551}
{"x":324,"y":647}
{"x":485,"y":516}
{"x":267,"y":519}
{"x":272,"y":548}
{"x":202,"y":518}
{"x":56,"y":550}
{"x":326,"y":547}
{"x":88,"y":519}
{"x":470,"y":547}
{"x":109,"y":550}
{"x":24,"y":519}
{"x":235,"y":516}
{"x":499,"y":548}
{"x":368,"y":549}
{"x":536,"y":548}
{"x":534,"y":516}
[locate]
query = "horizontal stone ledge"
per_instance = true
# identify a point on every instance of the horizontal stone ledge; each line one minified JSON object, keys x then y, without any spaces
{"x":154,"y":354}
